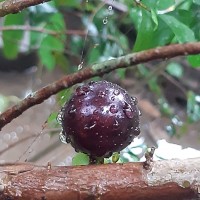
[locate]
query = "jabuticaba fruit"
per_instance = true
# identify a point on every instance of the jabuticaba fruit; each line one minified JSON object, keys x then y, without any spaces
{"x":100,"y":118}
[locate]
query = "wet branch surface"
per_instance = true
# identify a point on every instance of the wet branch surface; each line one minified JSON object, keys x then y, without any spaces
{"x":97,"y":70}
{"x":172,"y":179}
{"x":15,"y":6}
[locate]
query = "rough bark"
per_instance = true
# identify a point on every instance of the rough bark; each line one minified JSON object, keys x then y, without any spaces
{"x":173,"y":179}
{"x":97,"y":70}
{"x":15,"y":6}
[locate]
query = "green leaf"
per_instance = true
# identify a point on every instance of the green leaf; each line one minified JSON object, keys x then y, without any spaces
{"x":47,"y":58}
{"x":52,"y":116}
{"x":196,"y":2}
{"x":194,"y":60}
{"x":63,"y":96}
{"x":182,"y":32}
{"x":48,"y":46}
{"x":163,"y":5}
{"x":154,"y":18}
{"x":12,"y":38}
{"x":80,"y":159}
{"x":145,"y":32}
{"x":175,"y":69}
{"x":193,"y":107}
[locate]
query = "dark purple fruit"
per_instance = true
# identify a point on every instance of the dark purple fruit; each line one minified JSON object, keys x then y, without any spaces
{"x":100,"y":118}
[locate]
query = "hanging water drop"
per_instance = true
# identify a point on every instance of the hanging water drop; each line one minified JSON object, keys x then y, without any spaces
{"x":109,"y":8}
{"x":116,"y":124}
{"x":116,"y":92}
{"x":80,"y":66}
{"x":105,"y":20}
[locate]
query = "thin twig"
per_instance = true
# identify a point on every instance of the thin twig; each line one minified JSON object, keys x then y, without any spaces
{"x":13,"y":6}
{"x":97,"y":70}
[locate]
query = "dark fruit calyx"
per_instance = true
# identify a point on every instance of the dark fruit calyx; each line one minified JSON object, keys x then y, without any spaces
{"x":100,"y":118}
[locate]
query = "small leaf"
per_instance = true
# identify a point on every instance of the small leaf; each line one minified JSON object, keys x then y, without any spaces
{"x":154,"y":18}
{"x":163,"y":5}
{"x":80,"y":159}
{"x":12,"y":38}
{"x":175,"y":69}
{"x":196,"y":2}
{"x":182,"y":32}
{"x":47,"y":59}
{"x":194,"y":60}
{"x":145,"y":33}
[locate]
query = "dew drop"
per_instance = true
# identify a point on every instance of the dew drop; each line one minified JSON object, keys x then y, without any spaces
{"x":105,"y":20}
{"x":109,"y":8}
{"x":81,"y":91}
{"x":129,"y":113}
{"x":91,"y":83}
{"x":63,"y":138}
{"x":95,"y":112}
{"x":80,"y":66}
{"x":101,"y":94}
{"x":59,"y":118}
{"x":72,"y":110}
{"x":113,"y":109}
{"x":90,"y":125}
{"x":112,"y":98}
{"x":134,"y":100}
{"x":116,"y":92}
{"x":97,"y":133}
{"x":116,"y":124}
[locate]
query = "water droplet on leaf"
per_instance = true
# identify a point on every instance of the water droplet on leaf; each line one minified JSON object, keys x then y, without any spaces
{"x":105,"y":20}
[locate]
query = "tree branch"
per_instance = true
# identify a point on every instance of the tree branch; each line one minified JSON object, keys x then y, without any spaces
{"x":172,"y":179}
{"x":97,"y":70}
{"x":15,"y":6}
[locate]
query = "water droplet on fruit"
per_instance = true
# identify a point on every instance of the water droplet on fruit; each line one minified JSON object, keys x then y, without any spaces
{"x":62,"y":138}
{"x":91,"y":83}
{"x":129,"y":113}
{"x":134,"y":100}
{"x":59,"y":118}
{"x":137,"y":131}
{"x":72,"y":110}
{"x":97,"y":133}
{"x":116,"y":92}
{"x":82,"y":90}
{"x":90,"y":125}
{"x":95,"y":112}
{"x":112,"y":98}
{"x":101,"y":94}
{"x":113,"y":109}
{"x":116,"y":124}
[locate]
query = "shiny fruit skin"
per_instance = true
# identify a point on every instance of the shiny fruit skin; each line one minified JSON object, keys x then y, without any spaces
{"x":100,"y":118}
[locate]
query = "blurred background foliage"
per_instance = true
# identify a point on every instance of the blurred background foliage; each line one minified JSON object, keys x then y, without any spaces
{"x":74,"y":34}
